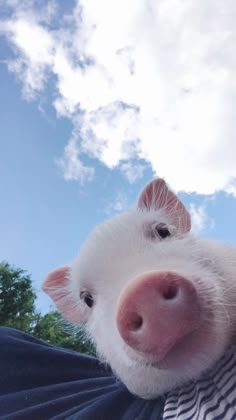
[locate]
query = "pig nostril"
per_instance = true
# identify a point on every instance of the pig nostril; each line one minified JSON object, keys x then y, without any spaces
{"x":170,"y":293}
{"x":136,"y":323}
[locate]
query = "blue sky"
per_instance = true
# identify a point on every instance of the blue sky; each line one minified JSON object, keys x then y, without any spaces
{"x":73,"y":154}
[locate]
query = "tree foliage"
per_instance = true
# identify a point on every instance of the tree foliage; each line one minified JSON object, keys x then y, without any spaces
{"x":17,"y":298}
{"x":18,"y":310}
{"x":53,"y":329}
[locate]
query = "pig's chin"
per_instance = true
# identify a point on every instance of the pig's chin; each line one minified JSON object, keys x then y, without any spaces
{"x":149,"y":376}
{"x":177,"y":357}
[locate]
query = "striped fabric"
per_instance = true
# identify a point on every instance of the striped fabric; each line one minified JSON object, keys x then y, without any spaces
{"x":212,"y":397}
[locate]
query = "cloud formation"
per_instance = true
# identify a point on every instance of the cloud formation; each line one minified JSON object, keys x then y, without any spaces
{"x":200,"y":219}
{"x":151,"y":80}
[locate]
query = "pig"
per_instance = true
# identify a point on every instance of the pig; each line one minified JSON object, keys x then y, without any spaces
{"x":157,"y":301}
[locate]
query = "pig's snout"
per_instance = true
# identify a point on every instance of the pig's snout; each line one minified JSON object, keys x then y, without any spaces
{"x":156,"y":311}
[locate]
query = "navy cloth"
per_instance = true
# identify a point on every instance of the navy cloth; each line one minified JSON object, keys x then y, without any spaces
{"x":39,"y":381}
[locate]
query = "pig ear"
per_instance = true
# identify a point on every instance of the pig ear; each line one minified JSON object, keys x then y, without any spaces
{"x":56,"y":285}
{"x":157,"y":195}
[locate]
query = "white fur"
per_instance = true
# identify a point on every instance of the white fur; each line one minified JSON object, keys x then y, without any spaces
{"x":115,"y":254}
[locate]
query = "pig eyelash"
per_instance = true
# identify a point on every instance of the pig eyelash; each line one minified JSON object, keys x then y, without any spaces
{"x":87,"y":298}
{"x":158,"y":230}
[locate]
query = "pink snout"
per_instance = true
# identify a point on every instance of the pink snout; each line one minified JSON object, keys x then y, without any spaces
{"x":156,"y":311}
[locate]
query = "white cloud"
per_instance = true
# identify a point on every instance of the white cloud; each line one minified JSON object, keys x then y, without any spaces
{"x":72,"y":165}
{"x":132,"y":171}
{"x":157,"y":75}
{"x":200,"y":219}
{"x":231,"y":189}
{"x":118,"y":204}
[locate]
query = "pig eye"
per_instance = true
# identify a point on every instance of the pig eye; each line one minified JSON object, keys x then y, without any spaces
{"x":87,"y":298}
{"x":158,"y":230}
{"x":162,"y":231}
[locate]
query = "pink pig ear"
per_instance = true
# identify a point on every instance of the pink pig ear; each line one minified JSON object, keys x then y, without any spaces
{"x":56,"y":285}
{"x":157,"y":195}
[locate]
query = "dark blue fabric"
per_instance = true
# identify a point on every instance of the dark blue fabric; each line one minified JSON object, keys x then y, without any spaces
{"x":39,"y":381}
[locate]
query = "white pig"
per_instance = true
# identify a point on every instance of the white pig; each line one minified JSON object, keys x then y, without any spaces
{"x":158,"y":302}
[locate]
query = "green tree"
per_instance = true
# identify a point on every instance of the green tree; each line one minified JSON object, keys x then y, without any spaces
{"x":17,"y":298}
{"x":53,"y":329}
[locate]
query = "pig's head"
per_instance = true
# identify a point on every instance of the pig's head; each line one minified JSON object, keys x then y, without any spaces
{"x":149,"y":294}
